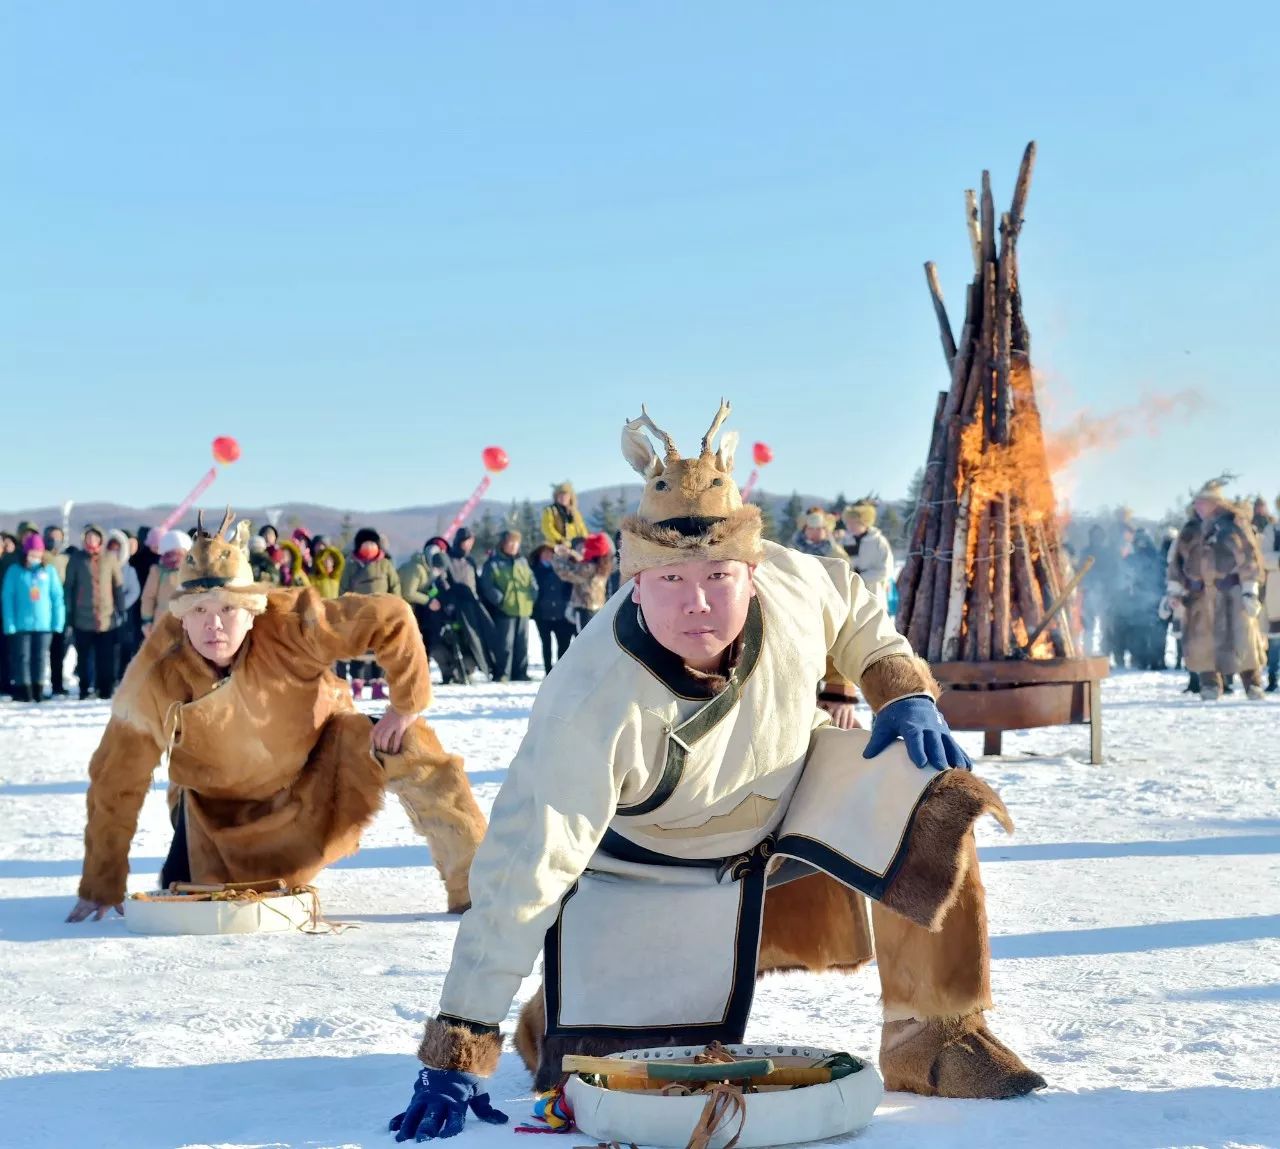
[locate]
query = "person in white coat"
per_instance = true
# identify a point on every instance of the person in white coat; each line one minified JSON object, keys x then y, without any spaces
{"x":675,"y":755}
{"x":869,"y":551}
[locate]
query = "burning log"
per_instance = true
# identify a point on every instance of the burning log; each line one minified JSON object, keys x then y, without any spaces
{"x":986,"y":561}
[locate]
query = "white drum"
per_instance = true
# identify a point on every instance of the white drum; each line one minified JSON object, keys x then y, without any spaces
{"x":266,"y":913}
{"x":775,"y":1116}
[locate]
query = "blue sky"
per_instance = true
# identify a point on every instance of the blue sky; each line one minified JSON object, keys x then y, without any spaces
{"x":370,"y":239}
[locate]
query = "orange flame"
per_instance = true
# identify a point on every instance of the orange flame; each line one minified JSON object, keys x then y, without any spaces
{"x":1088,"y":432}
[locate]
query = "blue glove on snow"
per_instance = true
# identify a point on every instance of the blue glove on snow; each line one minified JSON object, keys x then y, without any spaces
{"x":919,"y":723}
{"x":439,"y":1106}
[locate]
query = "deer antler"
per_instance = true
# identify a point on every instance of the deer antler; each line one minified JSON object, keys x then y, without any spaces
{"x":199,"y":523}
{"x":721,"y":416}
{"x":227,"y":520}
{"x":668,"y":443}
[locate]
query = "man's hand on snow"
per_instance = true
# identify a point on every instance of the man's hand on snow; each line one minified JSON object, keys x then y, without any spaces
{"x":919,"y":723}
{"x":84,"y":908}
{"x":842,"y":713}
{"x":439,"y":1107}
{"x":389,"y":731}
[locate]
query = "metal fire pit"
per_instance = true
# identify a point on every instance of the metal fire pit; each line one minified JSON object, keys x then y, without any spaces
{"x":1022,"y":694}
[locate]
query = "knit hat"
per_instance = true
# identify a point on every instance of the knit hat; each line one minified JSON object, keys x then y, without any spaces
{"x":215,"y":565}
{"x":27,"y":528}
{"x":33,"y":544}
{"x":861,"y":512}
{"x":181,"y":541}
{"x":596,"y":547}
{"x":366,"y":535}
{"x":691,"y":509}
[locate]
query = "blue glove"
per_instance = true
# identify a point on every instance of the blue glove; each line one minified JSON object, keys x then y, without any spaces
{"x":919,"y":723}
{"x":439,"y":1106}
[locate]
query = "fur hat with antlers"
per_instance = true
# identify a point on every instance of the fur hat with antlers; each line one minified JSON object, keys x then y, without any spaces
{"x":691,"y":509}
{"x":219,"y":567}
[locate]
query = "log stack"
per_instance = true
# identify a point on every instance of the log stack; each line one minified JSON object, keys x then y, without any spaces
{"x":985,"y":567}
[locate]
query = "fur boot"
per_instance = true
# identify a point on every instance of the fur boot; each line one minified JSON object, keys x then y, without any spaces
{"x":952,"y":1057}
{"x":434,"y":791}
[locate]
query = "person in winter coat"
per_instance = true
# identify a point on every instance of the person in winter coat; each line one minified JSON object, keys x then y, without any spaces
{"x":508,"y":586}
{"x":264,"y":566}
{"x":368,"y":571}
{"x":129,"y":622}
{"x":94,"y":593}
{"x":634,"y":837}
{"x":1269,"y":541}
{"x":13,"y":551}
{"x":588,"y":573}
{"x":869,"y":551}
{"x":562,"y":522}
{"x":1215,"y":568}
{"x":326,"y":571}
{"x":1142,"y":580}
{"x":551,"y":610}
{"x":164,"y":577}
{"x":815,"y":535}
{"x":56,"y":557}
{"x":275,"y":773}
{"x":34,"y":611}
{"x":292,"y":564}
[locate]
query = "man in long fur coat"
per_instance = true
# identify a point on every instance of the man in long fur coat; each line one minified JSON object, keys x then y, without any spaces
{"x":273,"y":773}
{"x":672,"y":760}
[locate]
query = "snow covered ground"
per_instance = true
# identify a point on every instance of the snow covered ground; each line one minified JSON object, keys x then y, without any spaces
{"x":1135,"y":920}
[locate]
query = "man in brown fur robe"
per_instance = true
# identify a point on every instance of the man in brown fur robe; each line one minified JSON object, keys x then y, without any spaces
{"x":274,"y":772}
{"x":1215,"y":566}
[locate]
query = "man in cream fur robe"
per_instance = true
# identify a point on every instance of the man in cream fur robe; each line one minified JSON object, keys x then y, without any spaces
{"x":675,"y":766}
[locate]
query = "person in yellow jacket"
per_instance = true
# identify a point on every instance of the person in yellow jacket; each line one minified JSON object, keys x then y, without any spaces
{"x":326,"y":574}
{"x":562,"y":522}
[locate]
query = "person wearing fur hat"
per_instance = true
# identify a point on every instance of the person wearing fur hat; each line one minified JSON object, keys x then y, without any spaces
{"x":33,"y":612}
{"x":1215,"y":569}
{"x":164,"y":577}
{"x":815,"y":535}
{"x":869,"y":551}
{"x":675,"y":758}
{"x":94,"y":593}
{"x":562,"y":522}
{"x":1269,"y":541}
{"x":293,"y":564}
{"x":277,"y":773}
{"x":369,"y":570}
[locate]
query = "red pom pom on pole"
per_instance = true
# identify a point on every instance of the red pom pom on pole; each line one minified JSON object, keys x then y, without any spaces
{"x":495,"y":459}
{"x":225,"y":450}
{"x":762,"y":453}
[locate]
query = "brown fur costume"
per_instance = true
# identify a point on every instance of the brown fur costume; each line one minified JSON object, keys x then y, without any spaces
{"x":276,"y":766}
{"x":1210,"y":560}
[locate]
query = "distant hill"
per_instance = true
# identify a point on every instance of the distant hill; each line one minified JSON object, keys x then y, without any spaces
{"x":405,"y":528}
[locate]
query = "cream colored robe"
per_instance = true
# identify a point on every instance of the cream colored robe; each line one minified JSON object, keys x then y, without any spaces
{"x":595,"y":758}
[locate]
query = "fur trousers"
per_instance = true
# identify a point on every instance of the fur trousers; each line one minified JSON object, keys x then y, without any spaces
{"x":295,"y":834}
{"x":816,"y":924}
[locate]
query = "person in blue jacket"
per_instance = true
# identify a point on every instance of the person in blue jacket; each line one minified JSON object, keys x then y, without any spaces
{"x":34,"y":611}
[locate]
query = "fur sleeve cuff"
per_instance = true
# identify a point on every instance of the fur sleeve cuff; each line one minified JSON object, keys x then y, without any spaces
{"x":897,"y":676}
{"x":930,"y":874}
{"x":454,"y":1043}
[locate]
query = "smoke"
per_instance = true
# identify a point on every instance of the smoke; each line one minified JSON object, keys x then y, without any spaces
{"x":1086,"y":432}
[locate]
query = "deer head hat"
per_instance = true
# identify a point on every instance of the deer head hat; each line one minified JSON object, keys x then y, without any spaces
{"x":691,"y":509}
{"x":216,"y":565}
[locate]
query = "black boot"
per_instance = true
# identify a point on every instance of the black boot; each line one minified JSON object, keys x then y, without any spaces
{"x":21,"y":692}
{"x":37,"y":692}
{"x":1193,"y":684}
{"x":1272,"y":686}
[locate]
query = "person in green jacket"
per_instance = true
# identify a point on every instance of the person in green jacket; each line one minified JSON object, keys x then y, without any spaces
{"x":508,"y":586}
